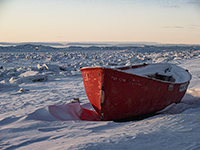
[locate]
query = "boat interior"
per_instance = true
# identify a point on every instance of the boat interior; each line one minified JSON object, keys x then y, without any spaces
{"x":162,"y":77}
{"x":160,"y":71}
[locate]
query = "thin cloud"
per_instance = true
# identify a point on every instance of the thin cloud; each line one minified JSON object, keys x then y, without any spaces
{"x":173,"y":27}
{"x":195,"y":2}
{"x":181,"y":27}
{"x":172,"y":6}
{"x":194,"y":26}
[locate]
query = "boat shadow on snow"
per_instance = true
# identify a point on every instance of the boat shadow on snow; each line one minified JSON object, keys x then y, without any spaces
{"x":137,"y":118}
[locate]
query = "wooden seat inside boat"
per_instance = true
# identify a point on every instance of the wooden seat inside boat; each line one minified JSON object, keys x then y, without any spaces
{"x":162,"y":77}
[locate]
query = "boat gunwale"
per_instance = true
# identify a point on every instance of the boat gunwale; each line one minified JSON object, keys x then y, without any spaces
{"x":146,"y":77}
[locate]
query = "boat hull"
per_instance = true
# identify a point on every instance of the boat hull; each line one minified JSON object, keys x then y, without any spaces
{"x":117,"y":95}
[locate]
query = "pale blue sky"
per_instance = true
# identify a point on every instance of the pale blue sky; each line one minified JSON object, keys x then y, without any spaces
{"x":164,"y":21}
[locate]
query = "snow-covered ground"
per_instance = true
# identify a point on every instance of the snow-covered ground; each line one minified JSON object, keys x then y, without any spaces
{"x":33,"y":77}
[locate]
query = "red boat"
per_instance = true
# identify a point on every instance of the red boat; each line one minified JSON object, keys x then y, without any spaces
{"x":125,"y":92}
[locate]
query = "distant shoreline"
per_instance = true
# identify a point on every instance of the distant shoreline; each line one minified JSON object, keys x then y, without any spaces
{"x":90,"y":44}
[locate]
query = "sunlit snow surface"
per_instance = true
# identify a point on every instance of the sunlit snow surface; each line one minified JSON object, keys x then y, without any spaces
{"x":34,"y":77}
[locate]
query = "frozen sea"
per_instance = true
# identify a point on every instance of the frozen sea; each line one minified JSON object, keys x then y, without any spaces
{"x":35,"y":76}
